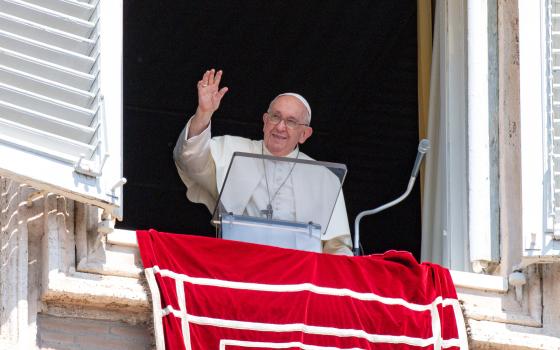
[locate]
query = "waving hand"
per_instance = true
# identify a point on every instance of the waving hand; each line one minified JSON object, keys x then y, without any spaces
{"x":209,"y":97}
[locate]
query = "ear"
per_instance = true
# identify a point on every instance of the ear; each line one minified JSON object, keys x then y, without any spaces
{"x":264,"y":121}
{"x":305,"y":134}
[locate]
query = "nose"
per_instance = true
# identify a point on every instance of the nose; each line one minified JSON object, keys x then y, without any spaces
{"x":282,"y":125}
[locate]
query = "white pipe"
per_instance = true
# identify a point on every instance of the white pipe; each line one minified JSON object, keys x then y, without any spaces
{"x":356,"y":249}
{"x":423,"y":147}
{"x":479,"y":219}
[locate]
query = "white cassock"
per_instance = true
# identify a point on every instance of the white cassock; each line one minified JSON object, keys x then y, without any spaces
{"x":203,"y":161}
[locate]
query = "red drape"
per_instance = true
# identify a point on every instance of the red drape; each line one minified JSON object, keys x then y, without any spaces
{"x":218,"y":294}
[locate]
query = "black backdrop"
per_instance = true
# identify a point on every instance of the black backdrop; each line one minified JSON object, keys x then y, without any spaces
{"x":355,"y":62}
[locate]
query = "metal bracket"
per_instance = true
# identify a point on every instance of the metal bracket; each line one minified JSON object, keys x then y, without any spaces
{"x":517,"y":279}
{"x":121,"y":182}
{"x":84,"y":167}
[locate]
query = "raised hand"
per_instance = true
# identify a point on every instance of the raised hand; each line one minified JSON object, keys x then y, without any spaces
{"x":209,"y":98}
{"x":209,"y":92}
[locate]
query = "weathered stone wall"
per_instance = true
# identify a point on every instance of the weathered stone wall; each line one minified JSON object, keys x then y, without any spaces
{"x":22,"y":228}
{"x":72,"y":333}
{"x":44,"y":302}
{"x":500,"y":321}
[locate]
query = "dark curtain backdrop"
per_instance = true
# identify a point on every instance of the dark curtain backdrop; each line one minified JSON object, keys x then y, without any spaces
{"x":355,"y":62}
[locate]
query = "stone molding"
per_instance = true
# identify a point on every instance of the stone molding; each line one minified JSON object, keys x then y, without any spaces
{"x":43,"y":236}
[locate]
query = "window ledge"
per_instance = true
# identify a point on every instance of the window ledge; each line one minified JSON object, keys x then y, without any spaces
{"x":467,"y":280}
{"x":488,"y":298}
{"x":481,"y":294}
{"x":486,"y":334}
{"x":96,"y":289}
{"x":123,"y":238}
{"x":114,"y":297}
{"x":471,"y":280}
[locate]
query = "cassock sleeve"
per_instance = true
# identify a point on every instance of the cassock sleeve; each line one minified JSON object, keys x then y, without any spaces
{"x":196,"y":167}
{"x":337,"y":239}
{"x":339,"y":245}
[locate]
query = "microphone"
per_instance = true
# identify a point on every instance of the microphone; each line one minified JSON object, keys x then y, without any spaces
{"x":423,"y":147}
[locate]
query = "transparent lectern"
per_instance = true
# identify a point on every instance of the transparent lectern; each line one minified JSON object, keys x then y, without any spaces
{"x":278,"y":201}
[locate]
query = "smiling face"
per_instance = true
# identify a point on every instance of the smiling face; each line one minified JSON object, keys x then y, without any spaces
{"x":279,"y":139}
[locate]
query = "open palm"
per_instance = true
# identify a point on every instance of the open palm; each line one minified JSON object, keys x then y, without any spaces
{"x":209,"y":92}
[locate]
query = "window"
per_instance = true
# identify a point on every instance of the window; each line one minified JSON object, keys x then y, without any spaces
{"x":460,"y":217}
{"x":539,"y":27}
{"x":61,"y":97}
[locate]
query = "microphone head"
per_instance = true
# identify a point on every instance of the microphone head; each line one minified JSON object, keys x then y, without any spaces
{"x":424,"y":146}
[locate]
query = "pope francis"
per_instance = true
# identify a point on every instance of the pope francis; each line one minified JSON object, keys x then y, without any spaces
{"x":202,"y":161}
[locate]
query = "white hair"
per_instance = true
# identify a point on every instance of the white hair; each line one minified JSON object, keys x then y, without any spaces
{"x":301,"y":99}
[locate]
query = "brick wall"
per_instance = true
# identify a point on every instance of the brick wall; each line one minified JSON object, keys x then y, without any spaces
{"x":65,"y":333}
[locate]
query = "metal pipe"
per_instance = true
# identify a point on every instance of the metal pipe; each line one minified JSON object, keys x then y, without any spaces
{"x":423,"y":147}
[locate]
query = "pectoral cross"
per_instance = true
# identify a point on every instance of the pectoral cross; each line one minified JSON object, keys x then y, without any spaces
{"x":268,"y":211}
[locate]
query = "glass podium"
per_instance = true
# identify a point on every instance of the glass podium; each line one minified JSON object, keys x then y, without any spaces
{"x":278,"y":201}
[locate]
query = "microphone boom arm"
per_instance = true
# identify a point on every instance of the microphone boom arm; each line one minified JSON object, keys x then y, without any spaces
{"x":423,"y":147}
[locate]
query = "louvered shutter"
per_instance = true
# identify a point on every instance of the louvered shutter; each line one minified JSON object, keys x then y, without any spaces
{"x":61,"y":97}
{"x":553,"y":132}
{"x":539,"y":67}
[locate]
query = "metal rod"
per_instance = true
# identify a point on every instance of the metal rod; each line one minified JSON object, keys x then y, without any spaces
{"x":423,"y":147}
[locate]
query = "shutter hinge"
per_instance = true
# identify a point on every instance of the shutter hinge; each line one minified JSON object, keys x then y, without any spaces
{"x":85,"y":167}
{"x":121,"y":182}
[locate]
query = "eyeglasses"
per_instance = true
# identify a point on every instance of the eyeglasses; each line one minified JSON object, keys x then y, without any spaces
{"x":290,"y":123}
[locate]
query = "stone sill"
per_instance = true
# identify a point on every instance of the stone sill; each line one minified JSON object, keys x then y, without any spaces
{"x":488,"y":283}
{"x":114,"y":297}
{"x":124,"y":238}
{"x":96,"y":289}
{"x":493,"y":335}
{"x":468,"y":280}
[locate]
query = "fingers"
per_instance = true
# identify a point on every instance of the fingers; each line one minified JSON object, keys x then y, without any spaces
{"x":211,"y":76}
{"x":210,"y":83}
{"x":205,"y":78}
{"x":221,"y":93}
{"x":218,"y":77}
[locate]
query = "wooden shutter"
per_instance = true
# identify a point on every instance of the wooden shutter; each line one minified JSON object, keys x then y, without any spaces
{"x":61,"y":97}
{"x":539,"y":62}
